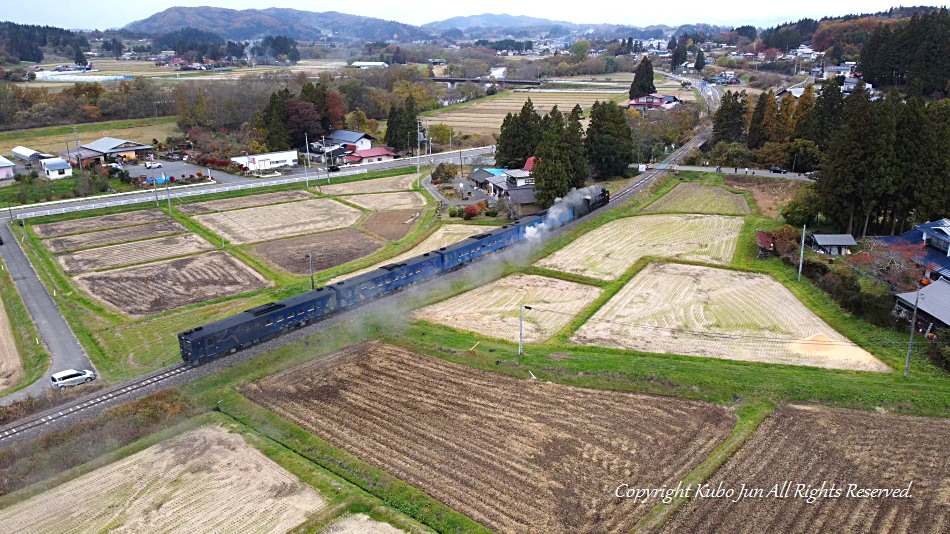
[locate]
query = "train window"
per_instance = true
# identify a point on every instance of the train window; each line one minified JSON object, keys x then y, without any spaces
{"x":210,"y":342}
{"x":418,"y":271}
{"x":310,"y":308}
{"x":300,"y":311}
{"x":280,"y":318}
{"x":290,"y":316}
{"x":269,"y":322}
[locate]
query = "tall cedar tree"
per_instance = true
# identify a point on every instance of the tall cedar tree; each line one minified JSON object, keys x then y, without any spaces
{"x":395,"y":136}
{"x":729,"y":120}
{"x":803,"y":109}
{"x":784,"y":127}
{"x":770,"y":119}
{"x":826,"y":117}
{"x":576,"y":154}
{"x":552,"y":171}
{"x":642,"y":79}
{"x":317,"y":95}
{"x":700,"y":61}
{"x":519,"y":137}
{"x":271,"y":121}
{"x":609,"y":140}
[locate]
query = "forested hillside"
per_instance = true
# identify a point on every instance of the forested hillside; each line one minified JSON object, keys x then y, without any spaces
{"x":24,"y":42}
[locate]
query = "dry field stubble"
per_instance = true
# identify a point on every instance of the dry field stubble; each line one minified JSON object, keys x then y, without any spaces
{"x":492,"y":310}
{"x":514,"y":455}
{"x":156,"y":287}
{"x":487,"y":116}
{"x":360,"y":524}
{"x":377,"y":185}
{"x":329,"y":249}
{"x":716,"y":313}
{"x":813,"y":445}
{"x":391,"y":225}
{"x":389,"y":201}
{"x":113,"y":256}
{"x":606,"y":252}
{"x":11,"y":365}
{"x":102,"y":222}
{"x":690,"y":197}
{"x":264,"y":223}
{"x":445,"y":235}
{"x":249,"y":201}
{"x":206,"y":480}
{"x":112,"y":237}
{"x":770,"y":194}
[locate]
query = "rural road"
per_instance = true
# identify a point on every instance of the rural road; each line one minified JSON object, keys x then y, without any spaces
{"x":742,"y":171}
{"x":64,"y":348}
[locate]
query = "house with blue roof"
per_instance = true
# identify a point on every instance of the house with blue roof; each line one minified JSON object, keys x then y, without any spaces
{"x":936,"y":236}
{"x":350,"y":140}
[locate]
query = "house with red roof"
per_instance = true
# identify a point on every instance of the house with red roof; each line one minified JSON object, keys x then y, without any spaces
{"x":371,"y":155}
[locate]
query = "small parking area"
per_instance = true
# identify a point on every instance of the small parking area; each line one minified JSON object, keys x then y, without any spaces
{"x":179,"y":168}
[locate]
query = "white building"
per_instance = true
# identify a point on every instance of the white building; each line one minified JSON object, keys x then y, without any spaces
{"x":271,"y":160}
{"x":56,"y":168}
{"x":7,"y":168}
{"x":369,"y":65}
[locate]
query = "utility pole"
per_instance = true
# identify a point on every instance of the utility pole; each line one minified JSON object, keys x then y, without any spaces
{"x":913,"y":326}
{"x":418,"y":151}
{"x":521,"y":308}
{"x":310,"y":256}
{"x":168,"y":194}
{"x":306,"y":141}
{"x":801,"y":255}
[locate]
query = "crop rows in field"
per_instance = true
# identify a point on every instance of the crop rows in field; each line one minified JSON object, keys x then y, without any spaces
{"x":813,"y":446}
{"x":113,"y":256}
{"x":513,"y":455}
{"x":405,"y":200}
{"x":690,"y":197}
{"x":248,"y":201}
{"x":101,"y":222}
{"x":206,"y":480}
{"x":111,"y":237}
{"x":606,"y":252}
{"x":375,"y":185}
{"x":486,"y":116}
{"x":492,"y":310}
{"x":717,"y":313}
{"x":156,"y":287}
{"x":265,"y":223}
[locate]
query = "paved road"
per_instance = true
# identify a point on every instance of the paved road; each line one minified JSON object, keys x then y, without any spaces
{"x":744,"y":171}
{"x":54,"y":332}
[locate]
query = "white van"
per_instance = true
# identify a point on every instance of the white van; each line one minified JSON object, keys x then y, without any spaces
{"x":71,"y":377}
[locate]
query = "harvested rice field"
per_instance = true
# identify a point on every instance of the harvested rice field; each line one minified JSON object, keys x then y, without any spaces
{"x":206,"y":480}
{"x":249,"y":201}
{"x":492,"y":310}
{"x":690,"y":197}
{"x":11,"y":365}
{"x":101,"y":222}
{"x":514,"y":455}
{"x":717,"y":313}
{"x":376,"y":185}
{"x":328,"y":250}
{"x":847,"y":451}
{"x":608,"y":251}
{"x":391,"y":225}
{"x":264,"y":223}
{"x":113,"y":256}
{"x":112,"y":237}
{"x":486,"y":116}
{"x":388,"y":201}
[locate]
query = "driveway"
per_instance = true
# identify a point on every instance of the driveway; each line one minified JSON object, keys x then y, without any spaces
{"x":459,"y":184}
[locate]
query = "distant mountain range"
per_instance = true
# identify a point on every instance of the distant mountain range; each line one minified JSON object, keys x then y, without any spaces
{"x":491,"y":20}
{"x":257,"y":23}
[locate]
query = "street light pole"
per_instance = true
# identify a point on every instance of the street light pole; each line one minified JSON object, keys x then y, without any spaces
{"x":521,"y":308}
{"x":310,"y":256}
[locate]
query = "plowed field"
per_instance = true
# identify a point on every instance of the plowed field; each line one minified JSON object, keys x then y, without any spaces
{"x":280,"y":220}
{"x":156,"y":287}
{"x":389,"y":201}
{"x":392,"y":225}
{"x":203,"y":481}
{"x":112,"y":237}
{"x":378,"y":185}
{"x":492,"y":310}
{"x":487,"y":116}
{"x":817,"y":445}
{"x":329,"y":249}
{"x":701,"y":311}
{"x":132,"y":253}
{"x":102,"y":222}
{"x":445,"y":235}
{"x":244,"y":202}
{"x":770,"y":194}
{"x":606,"y":252}
{"x":514,"y":455}
{"x":690,"y":197}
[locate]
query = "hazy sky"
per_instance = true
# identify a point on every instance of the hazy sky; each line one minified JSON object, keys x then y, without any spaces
{"x":104,"y":14}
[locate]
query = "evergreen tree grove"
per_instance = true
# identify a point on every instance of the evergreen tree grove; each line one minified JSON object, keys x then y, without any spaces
{"x":642,"y":79}
{"x":609,"y":140}
{"x":552,"y":170}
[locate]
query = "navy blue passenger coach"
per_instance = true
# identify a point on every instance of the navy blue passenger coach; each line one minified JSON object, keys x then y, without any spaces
{"x":270,"y":320}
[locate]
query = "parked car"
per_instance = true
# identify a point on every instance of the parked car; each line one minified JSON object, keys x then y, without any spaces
{"x":71,"y":377}
{"x":333,"y":168}
{"x":115,"y":165}
{"x":778,"y":170}
{"x":153,"y":165}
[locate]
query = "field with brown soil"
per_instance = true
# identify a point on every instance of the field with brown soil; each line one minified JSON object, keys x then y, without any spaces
{"x":102,"y":222}
{"x":133,"y":253}
{"x":486,"y":116}
{"x":407,"y":200}
{"x":360,"y":524}
{"x":329,"y":249}
{"x":514,"y":455}
{"x":206,"y":480}
{"x":264,"y":223}
{"x":690,"y":197}
{"x":445,"y":235}
{"x":156,"y":287}
{"x":249,"y":201}
{"x":391,"y":225}
{"x":813,"y":445}
{"x":717,"y":313}
{"x":377,"y":185}
{"x":112,"y":237}
{"x":11,"y":365}
{"x":770,"y":194}
{"x":492,"y":310}
{"x":606,"y":252}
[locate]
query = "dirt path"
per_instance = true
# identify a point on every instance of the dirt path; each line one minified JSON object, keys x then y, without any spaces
{"x":11,"y":365}
{"x":360,"y":524}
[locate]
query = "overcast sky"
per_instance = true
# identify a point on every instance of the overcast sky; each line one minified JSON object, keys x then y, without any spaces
{"x":104,"y":14}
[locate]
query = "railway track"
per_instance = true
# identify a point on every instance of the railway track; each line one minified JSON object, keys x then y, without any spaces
{"x":643,"y":181}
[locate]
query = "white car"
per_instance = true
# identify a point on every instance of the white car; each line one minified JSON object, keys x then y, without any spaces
{"x":153,"y":165}
{"x":71,"y":377}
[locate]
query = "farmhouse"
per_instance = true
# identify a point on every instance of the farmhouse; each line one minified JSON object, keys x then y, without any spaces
{"x":933,"y":306}
{"x":522,"y":200}
{"x":349,"y":140}
{"x":936,"y":237}
{"x":271,"y":160}
{"x":371,"y":155}
{"x":107,"y":149}
{"x":651,"y":102}
{"x":832,"y":244}
{"x":6,"y":168}
{"x":56,"y":168}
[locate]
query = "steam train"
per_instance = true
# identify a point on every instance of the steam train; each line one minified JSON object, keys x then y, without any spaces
{"x":270,"y":320}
